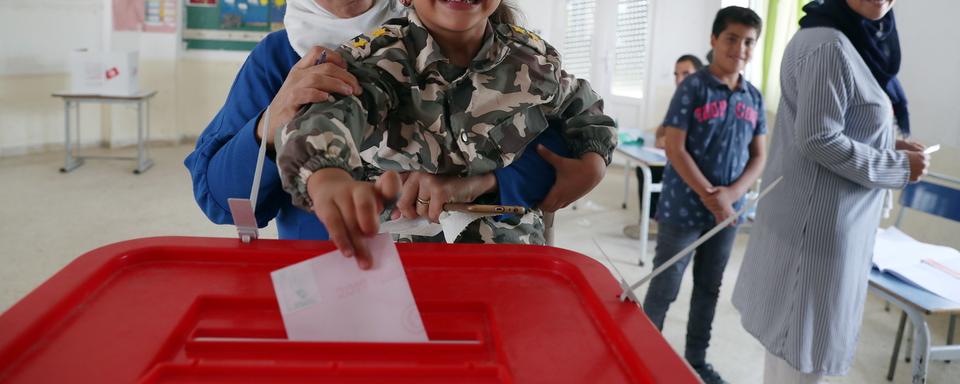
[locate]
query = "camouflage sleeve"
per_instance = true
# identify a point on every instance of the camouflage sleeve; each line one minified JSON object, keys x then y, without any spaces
{"x":332,"y":133}
{"x":585,"y":127}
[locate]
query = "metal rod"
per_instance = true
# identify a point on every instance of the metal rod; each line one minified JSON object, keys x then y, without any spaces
{"x":723,"y":224}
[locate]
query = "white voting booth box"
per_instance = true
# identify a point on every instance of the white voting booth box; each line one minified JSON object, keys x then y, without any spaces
{"x":104,"y":73}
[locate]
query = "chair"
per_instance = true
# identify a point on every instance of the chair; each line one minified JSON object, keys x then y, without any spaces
{"x":934,"y":199}
{"x":548,"y":233}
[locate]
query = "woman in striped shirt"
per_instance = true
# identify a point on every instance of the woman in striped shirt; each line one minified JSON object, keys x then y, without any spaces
{"x":804,"y":276}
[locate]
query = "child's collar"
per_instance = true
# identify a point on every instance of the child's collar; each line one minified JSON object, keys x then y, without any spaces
{"x":492,"y":50}
{"x":715,"y":81}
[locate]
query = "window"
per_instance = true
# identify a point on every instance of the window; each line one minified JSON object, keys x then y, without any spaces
{"x":578,"y":43}
{"x":607,"y":42}
{"x":630,"y":50}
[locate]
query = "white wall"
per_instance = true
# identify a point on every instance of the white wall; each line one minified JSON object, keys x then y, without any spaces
{"x":679,"y":27}
{"x":542,"y":17}
{"x":192,"y":86}
{"x":929,"y":71}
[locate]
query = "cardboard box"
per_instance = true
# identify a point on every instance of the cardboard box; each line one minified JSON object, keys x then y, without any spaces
{"x":104,"y":73}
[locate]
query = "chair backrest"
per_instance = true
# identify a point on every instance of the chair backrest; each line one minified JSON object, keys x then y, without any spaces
{"x":935,"y":199}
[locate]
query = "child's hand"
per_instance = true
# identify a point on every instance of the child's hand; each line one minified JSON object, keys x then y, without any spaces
{"x":575,"y":177}
{"x":719,"y":200}
{"x":351,"y":209}
{"x":424,"y":194}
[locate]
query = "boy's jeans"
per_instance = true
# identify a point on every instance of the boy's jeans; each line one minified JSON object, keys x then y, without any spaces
{"x":710,"y":259}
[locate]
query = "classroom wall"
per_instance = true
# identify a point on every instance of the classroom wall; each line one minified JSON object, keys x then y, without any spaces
{"x":679,"y":27}
{"x":30,"y":69}
{"x":191,"y":85}
{"x":931,"y":57}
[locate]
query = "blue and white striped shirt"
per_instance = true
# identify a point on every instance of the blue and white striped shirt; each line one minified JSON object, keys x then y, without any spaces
{"x":804,"y":276}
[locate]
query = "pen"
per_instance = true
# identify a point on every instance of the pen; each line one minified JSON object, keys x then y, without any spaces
{"x":932,"y":149}
{"x":484,"y":208}
{"x":940,"y":266}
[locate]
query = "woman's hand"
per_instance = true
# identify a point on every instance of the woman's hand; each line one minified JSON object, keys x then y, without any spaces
{"x":908,"y":145}
{"x":919,"y":162}
{"x":424,"y":194}
{"x":351,"y":209}
{"x":307,"y":83}
{"x":575,"y":177}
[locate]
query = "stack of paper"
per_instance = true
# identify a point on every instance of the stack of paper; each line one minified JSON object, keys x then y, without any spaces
{"x":934,"y":268}
{"x":329,"y":298}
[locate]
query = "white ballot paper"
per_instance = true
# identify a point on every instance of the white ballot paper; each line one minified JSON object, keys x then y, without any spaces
{"x":329,"y":298}
{"x":451,"y":224}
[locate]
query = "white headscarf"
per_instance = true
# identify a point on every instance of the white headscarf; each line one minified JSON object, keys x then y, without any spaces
{"x":308,"y":24}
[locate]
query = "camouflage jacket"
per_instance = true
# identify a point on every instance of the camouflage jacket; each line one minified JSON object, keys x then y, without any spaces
{"x":420,"y":113}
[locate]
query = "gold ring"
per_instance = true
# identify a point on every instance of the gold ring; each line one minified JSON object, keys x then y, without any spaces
{"x":423,"y":201}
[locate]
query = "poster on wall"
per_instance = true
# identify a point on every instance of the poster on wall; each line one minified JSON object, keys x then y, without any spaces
{"x":127,"y":15}
{"x":236,"y":25}
{"x":160,"y":16}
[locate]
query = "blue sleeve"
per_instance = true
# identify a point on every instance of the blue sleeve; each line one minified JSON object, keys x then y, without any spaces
{"x":528,"y":179}
{"x":222,"y":164}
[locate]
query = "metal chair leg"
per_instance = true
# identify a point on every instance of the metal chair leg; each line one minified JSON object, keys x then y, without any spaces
{"x":950,"y":328}
{"x":896,"y":347}
{"x":909,"y":343}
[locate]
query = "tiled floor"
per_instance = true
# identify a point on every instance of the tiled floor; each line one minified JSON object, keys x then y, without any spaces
{"x":48,"y":218}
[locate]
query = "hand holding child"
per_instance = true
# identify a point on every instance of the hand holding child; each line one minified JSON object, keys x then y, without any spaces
{"x":575,"y":177}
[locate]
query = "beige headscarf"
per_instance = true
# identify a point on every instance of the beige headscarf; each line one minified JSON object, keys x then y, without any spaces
{"x":308,"y":24}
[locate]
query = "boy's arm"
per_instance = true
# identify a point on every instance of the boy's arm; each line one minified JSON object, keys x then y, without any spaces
{"x":758,"y":157}
{"x":758,"y":153}
{"x":754,"y":167}
{"x":721,"y":199}
{"x":683,"y":163}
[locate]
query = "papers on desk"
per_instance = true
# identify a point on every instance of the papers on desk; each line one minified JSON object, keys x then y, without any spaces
{"x":329,"y":298}
{"x":657,"y":151}
{"x":934,"y":268}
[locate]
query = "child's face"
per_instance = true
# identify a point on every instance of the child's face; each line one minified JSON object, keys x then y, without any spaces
{"x":733,"y":48}
{"x":683,"y":69}
{"x":456,"y":15}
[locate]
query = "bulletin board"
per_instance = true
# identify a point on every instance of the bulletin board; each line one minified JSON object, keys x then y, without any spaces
{"x":235,"y":25}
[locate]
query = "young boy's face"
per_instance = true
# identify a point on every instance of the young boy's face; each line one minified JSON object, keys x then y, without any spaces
{"x":733,"y":48}
{"x":468,"y":16}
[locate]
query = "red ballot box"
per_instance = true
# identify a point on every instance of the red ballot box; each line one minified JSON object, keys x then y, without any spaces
{"x":203,"y":310}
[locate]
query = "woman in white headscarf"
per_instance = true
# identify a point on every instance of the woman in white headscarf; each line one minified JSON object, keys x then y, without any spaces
{"x":281,"y":72}
{"x":284,"y":72}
